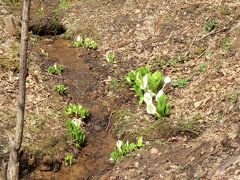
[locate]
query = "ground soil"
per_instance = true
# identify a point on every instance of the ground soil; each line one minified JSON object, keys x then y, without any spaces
{"x":200,"y":138}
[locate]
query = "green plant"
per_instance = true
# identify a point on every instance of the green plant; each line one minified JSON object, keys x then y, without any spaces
{"x":181,"y":82}
{"x":68,"y":159}
{"x":210,"y":25}
{"x":55,"y":69}
{"x":15,"y":1}
{"x":225,"y":44}
{"x":41,"y":10}
{"x":122,"y":149}
{"x":163,"y":108}
{"x":110,"y":57}
{"x":209,"y":53}
{"x":61,"y":89}
{"x":79,"y":42}
{"x":63,"y":4}
{"x":146,"y":86}
{"x":202,"y":67}
{"x":76,"y":133}
{"x":76,"y":110}
{"x":88,"y":43}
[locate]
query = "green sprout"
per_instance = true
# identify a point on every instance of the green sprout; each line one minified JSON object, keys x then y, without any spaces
{"x":76,"y":110}
{"x":68,"y":159}
{"x":122,"y":149}
{"x":63,"y":4}
{"x":210,"y":25}
{"x":110,"y":57}
{"x":15,"y":1}
{"x":181,"y":82}
{"x":61,"y":89}
{"x":202,"y":67}
{"x":55,"y":69}
{"x":76,"y":133}
{"x":225,"y":44}
{"x":41,"y":10}
{"x":88,"y":43}
{"x":79,"y":42}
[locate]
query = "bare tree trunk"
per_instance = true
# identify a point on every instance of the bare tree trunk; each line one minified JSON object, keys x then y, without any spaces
{"x":15,"y":143}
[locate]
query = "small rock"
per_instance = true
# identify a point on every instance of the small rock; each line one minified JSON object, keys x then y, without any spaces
{"x":154,"y":151}
{"x":97,"y":128}
{"x":136,"y":165}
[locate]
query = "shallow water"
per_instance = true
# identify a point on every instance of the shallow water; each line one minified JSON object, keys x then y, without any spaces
{"x":82,"y":78}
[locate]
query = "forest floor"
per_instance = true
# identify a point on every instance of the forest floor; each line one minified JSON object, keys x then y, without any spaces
{"x":199,"y":140}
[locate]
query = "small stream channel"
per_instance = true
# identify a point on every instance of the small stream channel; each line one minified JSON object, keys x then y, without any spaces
{"x":82,"y":76}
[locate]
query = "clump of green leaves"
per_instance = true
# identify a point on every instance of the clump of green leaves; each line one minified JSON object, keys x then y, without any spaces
{"x":55,"y":69}
{"x":110,"y":57}
{"x":181,"y":82}
{"x":61,"y":89}
{"x":225,"y":44}
{"x":68,"y":159}
{"x":122,"y":149}
{"x":210,"y":25}
{"x":79,"y":42}
{"x":88,"y":43}
{"x":76,"y":110}
{"x":202,"y":67}
{"x":63,"y":4}
{"x":41,"y":10}
{"x":15,"y":1}
{"x":146,"y":85}
{"x":76,"y":133}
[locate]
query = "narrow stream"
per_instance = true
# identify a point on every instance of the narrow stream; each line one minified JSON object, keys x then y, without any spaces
{"x":82,"y":75}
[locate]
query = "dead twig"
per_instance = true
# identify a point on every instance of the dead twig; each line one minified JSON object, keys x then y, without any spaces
{"x":190,"y":47}
{"x":110,"y":118}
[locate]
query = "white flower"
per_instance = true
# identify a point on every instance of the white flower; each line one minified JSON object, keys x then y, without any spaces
{"x":167,"y":80}
{"x":77,"y":122}
{"x":145,"y":82}
{"x":159,"y":94}
{"x":79,"y":38}
{"x":151,"y":109}
{"x":119,"y":145}
{"x":147,"y":98}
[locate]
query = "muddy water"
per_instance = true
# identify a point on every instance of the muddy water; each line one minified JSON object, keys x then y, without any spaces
{"x":83,"y":76}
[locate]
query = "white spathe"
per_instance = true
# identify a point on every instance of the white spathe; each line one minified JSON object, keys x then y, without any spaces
{"x":167,"y":80}
{"x":119,"y":145}
{"x":159,"y":94}
{"x":144,"y":82}
{"x":151,"y":109}
{"x":79,"y":38}
{"x":147,"y":98}
{"x":77,"y":122}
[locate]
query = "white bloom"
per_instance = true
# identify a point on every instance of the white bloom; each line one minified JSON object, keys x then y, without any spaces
{"x":147,"y":98}
{"x":79,"y":38}
{"x":151,"y":109}
{"x":77,"y":122}
{"x":167,"y":80}
{"x":119,"y":144}
{"x":145,"y":82}
{"x":159,"y":94}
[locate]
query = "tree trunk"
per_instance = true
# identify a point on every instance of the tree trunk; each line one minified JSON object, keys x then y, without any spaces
{"x":15,"y":143}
